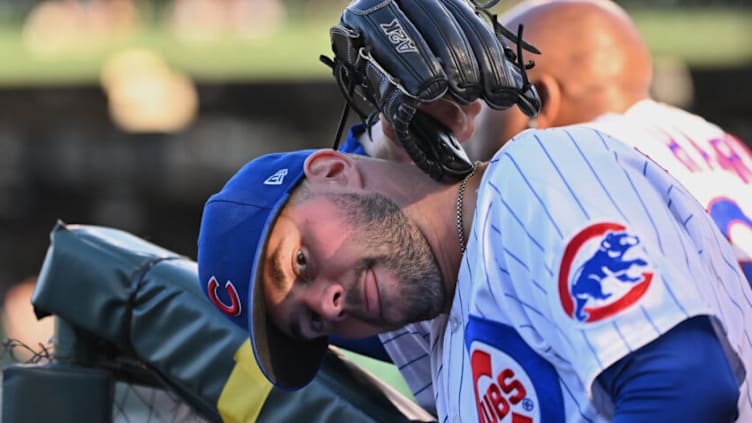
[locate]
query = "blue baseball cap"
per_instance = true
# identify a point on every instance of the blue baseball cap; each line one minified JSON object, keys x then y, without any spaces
{"x":235,"y":226}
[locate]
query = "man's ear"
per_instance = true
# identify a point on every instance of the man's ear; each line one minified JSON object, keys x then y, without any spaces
{"x":550,"y":94}
{"x":332,"y":167}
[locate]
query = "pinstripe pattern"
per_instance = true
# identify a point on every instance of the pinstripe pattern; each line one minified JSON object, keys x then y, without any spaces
{"x":710,"y":163}
{"x":656,"y":130}
{"x":409,"y":348}
{"x":536,"y":193}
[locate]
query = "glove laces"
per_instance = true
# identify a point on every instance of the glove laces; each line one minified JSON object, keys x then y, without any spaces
{"x":344,"y":75}
{"x":502,"y":32}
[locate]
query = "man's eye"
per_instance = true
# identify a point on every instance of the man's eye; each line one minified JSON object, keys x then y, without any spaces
{"x":301,"y":261}
{"x":316,"y":323}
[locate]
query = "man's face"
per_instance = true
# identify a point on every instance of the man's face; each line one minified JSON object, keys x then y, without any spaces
{"x":348,"y":264}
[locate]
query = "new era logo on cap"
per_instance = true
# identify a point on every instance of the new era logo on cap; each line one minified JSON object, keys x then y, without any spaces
{"x":277,"y":179}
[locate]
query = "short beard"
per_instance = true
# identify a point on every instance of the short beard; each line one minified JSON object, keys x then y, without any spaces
{"x":396,"y":243}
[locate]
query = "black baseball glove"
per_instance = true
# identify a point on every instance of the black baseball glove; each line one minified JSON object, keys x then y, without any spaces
{"x":394,"y":54}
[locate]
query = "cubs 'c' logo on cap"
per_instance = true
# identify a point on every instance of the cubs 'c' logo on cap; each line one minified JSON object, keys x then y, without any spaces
{"x":512,"y":383}
{"x":232,"y":309}
{"x":602,"y":272}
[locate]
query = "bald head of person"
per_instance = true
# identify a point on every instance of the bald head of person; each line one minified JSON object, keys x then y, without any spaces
{"x":593,"y":61}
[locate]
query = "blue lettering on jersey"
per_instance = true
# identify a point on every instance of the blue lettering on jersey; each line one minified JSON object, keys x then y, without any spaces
{"x":726,"y":213}
{"x":509,"y":378}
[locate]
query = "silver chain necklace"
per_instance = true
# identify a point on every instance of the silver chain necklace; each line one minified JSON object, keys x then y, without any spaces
{"x":460,"y":197}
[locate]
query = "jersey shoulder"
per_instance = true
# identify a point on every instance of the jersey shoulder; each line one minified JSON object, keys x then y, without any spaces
{"x":548,"y":144}
{"x":649,"y":120}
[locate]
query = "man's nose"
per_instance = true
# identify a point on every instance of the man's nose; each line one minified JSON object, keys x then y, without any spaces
{"x":330,"y":304}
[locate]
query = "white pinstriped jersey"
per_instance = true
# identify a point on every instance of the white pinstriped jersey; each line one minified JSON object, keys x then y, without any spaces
{"x":409,"y":348}
{"x":581,"y":251}
{"x":713,"y":166}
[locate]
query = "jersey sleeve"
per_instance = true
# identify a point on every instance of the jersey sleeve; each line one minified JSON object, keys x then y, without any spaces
{"x":664,"y":366}
{"x":592,"y":251}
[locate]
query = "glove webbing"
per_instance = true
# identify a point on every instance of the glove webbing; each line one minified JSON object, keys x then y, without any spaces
{"x":344,"y":74}
{"x":502,"y":32}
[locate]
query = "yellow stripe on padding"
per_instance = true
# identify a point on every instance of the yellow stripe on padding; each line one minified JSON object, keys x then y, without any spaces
{"x":246,"y":389}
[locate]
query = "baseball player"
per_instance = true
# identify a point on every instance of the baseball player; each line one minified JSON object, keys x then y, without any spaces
{"x":567,"y":278}
{"x":593,"y":287}
{"x":580,"y":85}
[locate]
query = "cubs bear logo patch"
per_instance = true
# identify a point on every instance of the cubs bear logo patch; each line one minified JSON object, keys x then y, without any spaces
{"x":603,"y":271}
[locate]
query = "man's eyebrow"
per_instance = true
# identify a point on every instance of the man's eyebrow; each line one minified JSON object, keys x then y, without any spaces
{"x":276,"y":268}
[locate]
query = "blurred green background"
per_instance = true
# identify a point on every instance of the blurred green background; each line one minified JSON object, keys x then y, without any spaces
{"x":40,"y":45}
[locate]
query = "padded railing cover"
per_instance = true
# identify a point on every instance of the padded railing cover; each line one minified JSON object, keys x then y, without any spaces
{"x":145,"y":301}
